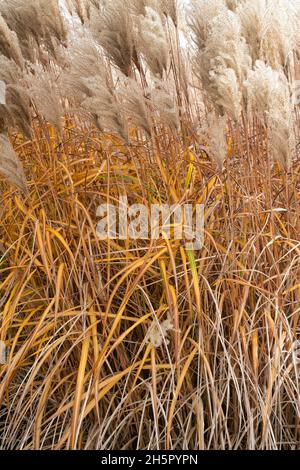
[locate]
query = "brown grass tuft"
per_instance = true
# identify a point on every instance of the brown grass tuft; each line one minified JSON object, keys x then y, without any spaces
{"x":148,"y":344}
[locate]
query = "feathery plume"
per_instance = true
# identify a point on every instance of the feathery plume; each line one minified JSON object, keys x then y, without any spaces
{"x":10,"y":165}
{"x":152,"y":42}
{"x":102,"y":104}
{"x":225,"y":92}
{"x":2,"y":92}
{"x":134,"y":102}
{"x":165,"y":104}
{"x":202,"y":13}
{"x":85,"y":58}
{"x":269,"y":96}
{"x":80,"y":8}
{"x":157,"y":334}
{"x":270,"y":28}
{"x":169,"y":8}
{"x":232,"y":4}
{"x":230,"y":47}
{"x":35,"y":22}
{"x":16,"y":109}
{"x":18,"y":105}
{"x":9,"y":44}
{"x":217,"y":141}
{"x":45,"y":94}
{"x":84,"y":61}
{"x":87,"y":82}
{"x":138,"y":7}
{"x":112,"y":27}
{"x":223,"y":63}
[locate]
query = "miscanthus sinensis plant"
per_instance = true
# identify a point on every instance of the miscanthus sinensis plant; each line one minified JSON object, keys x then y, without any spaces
{"x":144,"y":344}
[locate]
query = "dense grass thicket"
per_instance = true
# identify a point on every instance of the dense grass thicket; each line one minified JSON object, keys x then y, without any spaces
{"x":145,"y":344}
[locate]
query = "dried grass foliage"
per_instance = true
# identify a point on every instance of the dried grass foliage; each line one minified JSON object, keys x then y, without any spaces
{"x":141,"y":344}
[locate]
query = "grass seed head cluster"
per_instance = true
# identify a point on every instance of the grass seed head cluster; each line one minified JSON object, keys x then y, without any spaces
{"x":144,"y":344}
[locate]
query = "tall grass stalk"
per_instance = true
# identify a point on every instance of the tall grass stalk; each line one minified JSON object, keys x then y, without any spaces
{"x":144,"y":344}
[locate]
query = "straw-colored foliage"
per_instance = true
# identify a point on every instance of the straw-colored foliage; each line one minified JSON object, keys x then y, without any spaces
{"x":145,"y":344}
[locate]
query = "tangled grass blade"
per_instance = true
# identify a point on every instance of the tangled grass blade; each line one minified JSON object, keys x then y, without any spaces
{"x":149,"y":224}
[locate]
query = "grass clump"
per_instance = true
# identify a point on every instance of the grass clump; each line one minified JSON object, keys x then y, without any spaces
{"x":144,"y":344}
